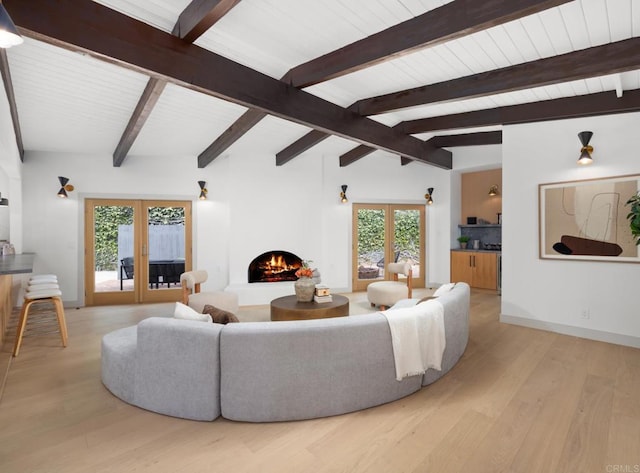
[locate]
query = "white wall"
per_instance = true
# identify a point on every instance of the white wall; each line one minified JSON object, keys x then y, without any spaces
{"x":253,"y":206}
{"x":10,"y":175}
{"x":552,"y":294}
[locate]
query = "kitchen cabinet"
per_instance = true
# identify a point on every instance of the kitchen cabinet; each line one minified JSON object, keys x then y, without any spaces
{"x":476,"y":268}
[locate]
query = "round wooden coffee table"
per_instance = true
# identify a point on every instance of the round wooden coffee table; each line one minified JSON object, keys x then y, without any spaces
{"x":288,"y":308}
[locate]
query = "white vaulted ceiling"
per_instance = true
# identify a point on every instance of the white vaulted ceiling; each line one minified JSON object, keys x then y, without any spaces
{"x":73,"y":102}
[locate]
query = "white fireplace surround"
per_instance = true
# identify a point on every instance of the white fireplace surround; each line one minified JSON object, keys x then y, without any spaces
{"x":258,"y":293}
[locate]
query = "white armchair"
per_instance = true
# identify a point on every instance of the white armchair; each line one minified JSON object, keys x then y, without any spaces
{"x":191,"y":295}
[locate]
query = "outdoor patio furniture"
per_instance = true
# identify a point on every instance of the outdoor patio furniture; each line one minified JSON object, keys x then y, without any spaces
{"x":126,"y":269}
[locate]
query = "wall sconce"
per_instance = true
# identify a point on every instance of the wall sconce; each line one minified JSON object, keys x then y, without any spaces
{"x":343,"y":194}
{"x":429,"y":196}
{"x":493,"y":190}
{"x":203,"y":190}
{"x":586,"y":150}
{"x":64,"y":187}
{"x":4,"y":201}
{"x":9,"y":35}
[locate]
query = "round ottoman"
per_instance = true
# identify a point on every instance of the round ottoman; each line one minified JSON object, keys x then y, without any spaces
{"x":386,"y":293}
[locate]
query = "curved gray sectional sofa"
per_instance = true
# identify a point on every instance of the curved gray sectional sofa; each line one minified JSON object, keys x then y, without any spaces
{"x":269,"y":371}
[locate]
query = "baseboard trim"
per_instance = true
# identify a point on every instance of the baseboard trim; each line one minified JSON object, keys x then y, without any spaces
{"x":580,"y":332}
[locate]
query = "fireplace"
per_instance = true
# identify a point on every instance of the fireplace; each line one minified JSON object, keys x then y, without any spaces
{"x":274,"y":266}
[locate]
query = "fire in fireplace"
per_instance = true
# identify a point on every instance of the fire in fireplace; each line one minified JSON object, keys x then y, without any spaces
{"x":274,"y":266}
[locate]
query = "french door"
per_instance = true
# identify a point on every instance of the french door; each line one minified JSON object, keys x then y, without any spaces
{"x":384,"y":233}
{"x":135,"y":250}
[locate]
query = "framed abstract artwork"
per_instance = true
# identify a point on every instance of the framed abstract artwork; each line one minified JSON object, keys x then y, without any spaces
{"x":587,"y":220}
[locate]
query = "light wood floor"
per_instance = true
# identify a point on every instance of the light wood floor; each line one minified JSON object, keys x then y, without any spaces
{"x":520,"y":400}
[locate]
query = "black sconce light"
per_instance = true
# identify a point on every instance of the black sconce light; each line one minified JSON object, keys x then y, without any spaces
{"x":64,"y":187}
{"x":9,"y":35}
{"x":4,"y":201}
{"x":343,"y":194}
{"x":429,"y":196}
{"x":585,"y":152}
{"x":493,"y":190}
{"x":203,"y":190}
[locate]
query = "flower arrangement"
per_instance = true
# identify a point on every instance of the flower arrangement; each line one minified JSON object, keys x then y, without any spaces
{"x":305,"y":270}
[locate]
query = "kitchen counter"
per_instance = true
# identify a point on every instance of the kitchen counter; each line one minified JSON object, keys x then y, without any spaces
{"x":11,"y":264}
{"x":17,"y":264}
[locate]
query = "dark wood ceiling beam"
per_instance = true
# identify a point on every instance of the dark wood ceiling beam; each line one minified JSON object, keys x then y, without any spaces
{"x":243,"y":124}
{"x":300,"y":146}
{"x":467,"y":139}
{"x":610,"y":58}
{"x":603,"y":103}
{"x":143,"y":109}
{"x":13,"y":109}
{"x":356,"y":153}
{"x":108,"y":35}
{"x":444,"y":141}
{"x":451,"y":21}
{"x":463,"y":139}
{"x":199,"y":16}
{"x":442,"y":24}
{"x":361,"y":151}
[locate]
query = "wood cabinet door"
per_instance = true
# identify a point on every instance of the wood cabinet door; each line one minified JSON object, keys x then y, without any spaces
{"x":461,"y":267}
{"x":485,"y":271}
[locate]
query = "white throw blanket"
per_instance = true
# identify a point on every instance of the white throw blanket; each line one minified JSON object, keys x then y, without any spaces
{"x":418,"y":338}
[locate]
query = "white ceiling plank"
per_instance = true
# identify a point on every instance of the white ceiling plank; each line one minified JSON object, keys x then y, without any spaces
{"x":522,"y":40}
{"x":556,"y":30}
{"x":597,"y":21}
{"x":184,"y":122}
{"x":161,"y":14}
{"x":538,"y":36}
{"x":635,"y":18}
{"x":574,"y":19}
{"x":619,"y":15}
{"x":70,"y":102}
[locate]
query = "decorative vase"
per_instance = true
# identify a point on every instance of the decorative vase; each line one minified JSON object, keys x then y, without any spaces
{"x":305,"y":288}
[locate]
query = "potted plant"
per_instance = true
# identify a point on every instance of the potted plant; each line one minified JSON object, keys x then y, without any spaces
{"x":634,"y":217}
{"x":463,"y":240}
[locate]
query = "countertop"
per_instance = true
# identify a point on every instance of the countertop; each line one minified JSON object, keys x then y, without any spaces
{"x":471,"y":250}
{"x":16,"y":264}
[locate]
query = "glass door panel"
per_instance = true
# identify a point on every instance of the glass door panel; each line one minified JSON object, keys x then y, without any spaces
{"x":370,"y":241}
{"x":384,"y":233}
{"x":408,"y":239}
{"x":110,"y":250}
{"x":165,"y":248}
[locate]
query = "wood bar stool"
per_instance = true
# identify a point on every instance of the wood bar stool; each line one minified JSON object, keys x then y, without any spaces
{"x":32,"y":296}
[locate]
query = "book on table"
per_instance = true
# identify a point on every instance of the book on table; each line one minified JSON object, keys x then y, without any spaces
{"x":322,"y":290}
{"x":323,"y":299}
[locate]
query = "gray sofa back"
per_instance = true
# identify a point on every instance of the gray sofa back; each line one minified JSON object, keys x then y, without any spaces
{"x":268,"y":371}
{"x":316,"y":368}
{"x":304,"y":369}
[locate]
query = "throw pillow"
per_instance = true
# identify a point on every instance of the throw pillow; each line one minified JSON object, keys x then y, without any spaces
{"x":219,"y":316}
{"x":444,"y":289}
{"x":187,"y":313}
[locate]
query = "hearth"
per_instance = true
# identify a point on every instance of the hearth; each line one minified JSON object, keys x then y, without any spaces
{"x":274,"y":266}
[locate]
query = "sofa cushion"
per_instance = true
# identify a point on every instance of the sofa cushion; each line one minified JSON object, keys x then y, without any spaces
{"x":219,"y":316}
{"x":187,"y":313}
